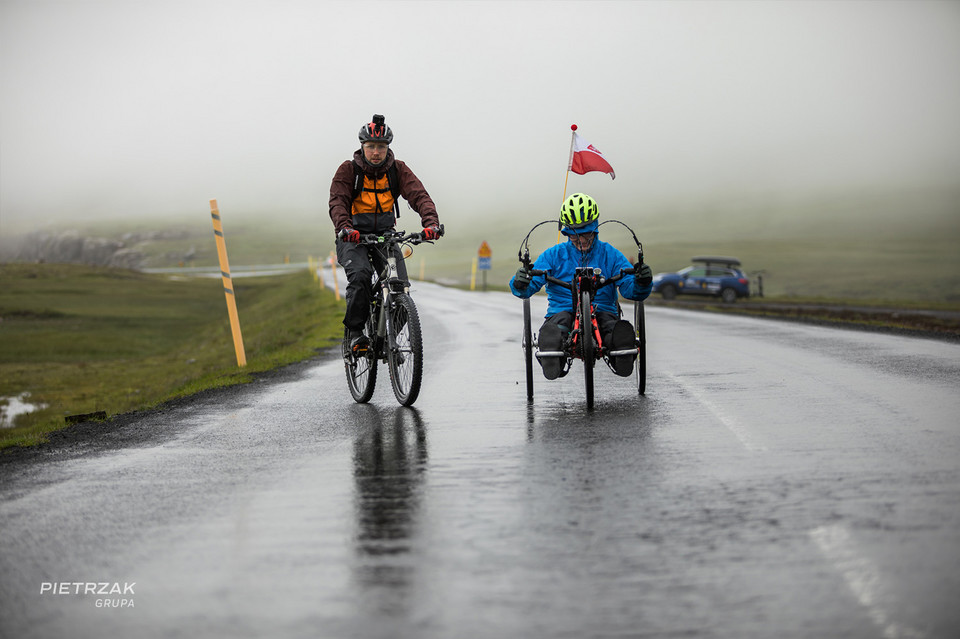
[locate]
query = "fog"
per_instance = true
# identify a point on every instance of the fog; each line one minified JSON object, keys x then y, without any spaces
{"x":126,"y":109}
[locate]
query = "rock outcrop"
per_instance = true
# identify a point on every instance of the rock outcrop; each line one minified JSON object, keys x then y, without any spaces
{"x":69,"y":247}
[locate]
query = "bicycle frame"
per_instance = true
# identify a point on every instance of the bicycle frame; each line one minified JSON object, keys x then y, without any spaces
{"x":387,"y":285}
{"x":588,"y":280}
{"x":585,"y":280}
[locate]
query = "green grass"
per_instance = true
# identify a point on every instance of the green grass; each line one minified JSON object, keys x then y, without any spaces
{"x":84,"y":339}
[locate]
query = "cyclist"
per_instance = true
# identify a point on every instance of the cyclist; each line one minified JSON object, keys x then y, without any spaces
{"x":364,"y":198}
{"x":579,"y":217}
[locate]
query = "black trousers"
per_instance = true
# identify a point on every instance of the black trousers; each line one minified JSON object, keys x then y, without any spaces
{"x":564,"y":319}
{"x":360,"y":263}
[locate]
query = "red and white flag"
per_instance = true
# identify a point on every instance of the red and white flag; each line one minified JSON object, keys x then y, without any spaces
{"x":585,"y":157}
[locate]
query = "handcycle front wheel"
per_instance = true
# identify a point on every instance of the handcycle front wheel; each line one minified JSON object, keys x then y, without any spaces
{"x":361,"y":370}
{"x":405,"y":349}
{"x":528,"y":348}
{"x":639,"y":323}
{"x":587,"y":346}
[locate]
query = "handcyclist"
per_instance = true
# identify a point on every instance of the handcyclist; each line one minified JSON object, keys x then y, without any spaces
{"x":365,"y":198}
{"x":579,"y":217}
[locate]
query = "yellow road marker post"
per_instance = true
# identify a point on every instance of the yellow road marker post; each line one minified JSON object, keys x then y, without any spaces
{"x":228,"y":284}
{"x":333,"y":274}
{"x":319,"y":272}
{"x":473,"y":274}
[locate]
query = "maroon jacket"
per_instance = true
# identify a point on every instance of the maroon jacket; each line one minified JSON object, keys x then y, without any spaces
{"x":411,"y":189}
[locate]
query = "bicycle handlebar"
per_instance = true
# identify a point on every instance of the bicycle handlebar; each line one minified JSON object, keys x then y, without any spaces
{"x":396,"y":237}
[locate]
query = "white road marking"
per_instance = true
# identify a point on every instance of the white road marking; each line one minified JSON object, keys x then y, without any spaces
{"x":727,"y":420}
{"x":862,"y":577}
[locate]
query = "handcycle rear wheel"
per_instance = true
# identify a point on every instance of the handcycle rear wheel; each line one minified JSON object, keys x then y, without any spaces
{"x":361,"y":369}
{"x":405,"y":349}
{"x":587,"y":346}
{"x":639,"y":323}
{"x":528,"y":347}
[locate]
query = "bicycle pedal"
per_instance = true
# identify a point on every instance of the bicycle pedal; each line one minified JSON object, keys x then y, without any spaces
{"x":360,"y":349}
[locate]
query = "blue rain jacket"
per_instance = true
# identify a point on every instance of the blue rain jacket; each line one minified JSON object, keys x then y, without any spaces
{"x":560,"y":262}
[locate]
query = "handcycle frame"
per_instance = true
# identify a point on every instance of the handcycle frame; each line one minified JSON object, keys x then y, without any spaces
{"x":586,"y":345}
{"x":392,"y":328}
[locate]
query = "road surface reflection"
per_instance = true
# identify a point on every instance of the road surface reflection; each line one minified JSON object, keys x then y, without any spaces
{"x":390,"y":458}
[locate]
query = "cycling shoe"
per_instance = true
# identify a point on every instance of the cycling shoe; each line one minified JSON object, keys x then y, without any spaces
{"x":550,"y":339}
{"x":623,"y":338}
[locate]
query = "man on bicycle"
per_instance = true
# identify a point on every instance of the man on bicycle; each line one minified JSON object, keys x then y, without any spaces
{"x":364,"y":198}
{"x":579,"y":217}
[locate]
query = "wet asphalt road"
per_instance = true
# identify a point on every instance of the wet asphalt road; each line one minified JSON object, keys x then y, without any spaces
{"x":777,"y":480}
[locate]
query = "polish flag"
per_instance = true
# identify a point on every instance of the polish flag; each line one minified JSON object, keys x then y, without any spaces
{"x":585,"y":158}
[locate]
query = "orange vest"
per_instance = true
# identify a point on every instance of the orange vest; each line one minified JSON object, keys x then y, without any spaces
{"x":375,"y":196}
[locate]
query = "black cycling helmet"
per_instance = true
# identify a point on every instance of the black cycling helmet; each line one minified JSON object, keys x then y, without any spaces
{"x":376,"y":131}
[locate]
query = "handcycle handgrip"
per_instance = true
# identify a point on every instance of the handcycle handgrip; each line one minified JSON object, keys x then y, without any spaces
{"x":550,"y":278}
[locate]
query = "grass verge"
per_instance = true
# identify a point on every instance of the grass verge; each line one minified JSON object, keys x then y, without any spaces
{"x":940,"y":321}
{"x":84,"y":340}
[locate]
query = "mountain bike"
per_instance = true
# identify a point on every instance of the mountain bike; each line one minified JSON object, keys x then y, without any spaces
{"x":392,"y":330}
{"x":584,"y":341}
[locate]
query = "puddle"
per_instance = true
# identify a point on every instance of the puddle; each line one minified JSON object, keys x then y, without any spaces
{"x":10,"y":407}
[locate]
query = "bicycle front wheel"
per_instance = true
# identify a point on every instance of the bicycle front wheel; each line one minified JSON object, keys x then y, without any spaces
{"x":528,"y":348}
{"x":405,"y":349}
{"x":586,"y":339}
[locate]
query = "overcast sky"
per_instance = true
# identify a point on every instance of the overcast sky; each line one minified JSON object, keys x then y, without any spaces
{"x":120,"y":107}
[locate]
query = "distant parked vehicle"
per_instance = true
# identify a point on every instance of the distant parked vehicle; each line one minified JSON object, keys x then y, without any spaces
{"x":709,"y":275}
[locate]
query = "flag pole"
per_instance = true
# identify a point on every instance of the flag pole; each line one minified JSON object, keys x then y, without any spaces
{"x":573,"y":133}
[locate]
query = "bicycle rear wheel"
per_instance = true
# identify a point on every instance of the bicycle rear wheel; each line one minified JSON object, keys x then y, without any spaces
{"x":528,"y":347}
{"x":639,"y":323}
{"x":405,"y":349}
{"x":361,"y":369}
{"x":587,"y":346}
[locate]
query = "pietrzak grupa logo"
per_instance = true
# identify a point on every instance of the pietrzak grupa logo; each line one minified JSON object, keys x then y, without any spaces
{"x":106,"y":594}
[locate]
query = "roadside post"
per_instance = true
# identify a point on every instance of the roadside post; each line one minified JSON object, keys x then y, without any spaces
{"x":484,"y":255}
{"x":228,"y":284}
{"x":316,"y":270}
{"x":333,"y":274}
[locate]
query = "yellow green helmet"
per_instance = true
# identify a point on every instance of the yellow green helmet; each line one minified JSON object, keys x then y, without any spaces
{"x":578,"y":211}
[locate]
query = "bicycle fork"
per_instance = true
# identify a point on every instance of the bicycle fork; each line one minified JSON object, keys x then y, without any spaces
{"x":384,"y":322}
